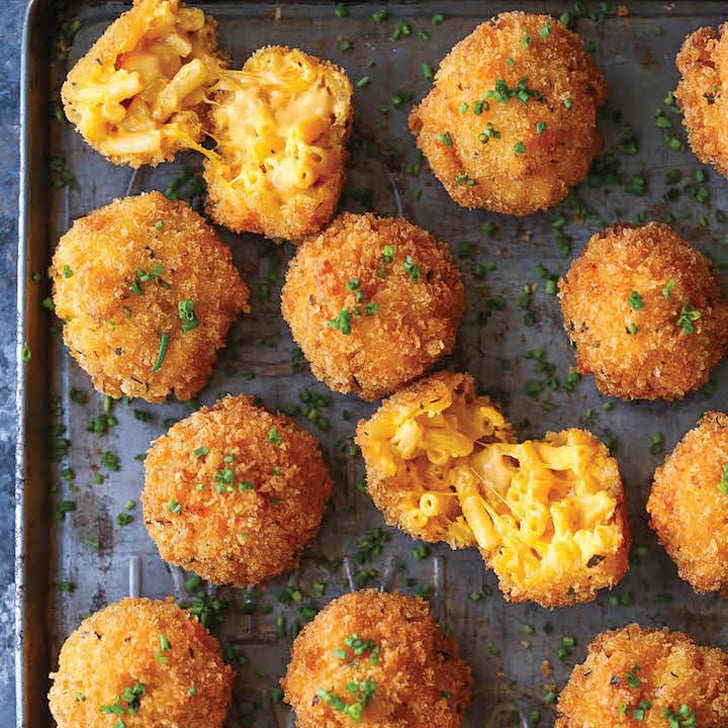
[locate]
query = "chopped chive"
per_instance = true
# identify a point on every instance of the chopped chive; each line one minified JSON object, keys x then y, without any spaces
{"x":174,"y":506}
{"x":163,"y":346}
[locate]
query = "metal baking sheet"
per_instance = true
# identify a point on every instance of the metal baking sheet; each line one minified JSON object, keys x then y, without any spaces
{"x":62,"y":574}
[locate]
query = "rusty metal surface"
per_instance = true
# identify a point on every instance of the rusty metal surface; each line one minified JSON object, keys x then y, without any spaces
{"x":637,"y":56}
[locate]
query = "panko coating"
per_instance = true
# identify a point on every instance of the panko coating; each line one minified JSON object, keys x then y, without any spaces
{"x":138,"y":95}
{"x":373,"y":303}
{"x":548,"y":516}
{"x":234,"y":492}
{"x":510,"y":124}
{"x":646,"y":677}
{"x":378,"y":660}
{"x":412,"y":446}
{"x":689,"y":504}
{"x":646,"y":312}
{"x":141,"y":663}
{"x":147,"y":292}
{"x":281,"y":127}
{"x":700,"y":94}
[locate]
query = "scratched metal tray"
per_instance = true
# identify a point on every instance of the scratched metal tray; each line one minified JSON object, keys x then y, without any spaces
{"x":72,"y":558}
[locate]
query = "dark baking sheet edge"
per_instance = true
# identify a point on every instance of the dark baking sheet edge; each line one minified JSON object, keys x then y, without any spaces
{"x":31,"y":495}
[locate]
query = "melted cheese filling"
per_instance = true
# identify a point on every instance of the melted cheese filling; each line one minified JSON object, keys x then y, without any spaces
{"x":145,"y":102}
{"x":531,"y":506}
{"x":538,"y":505}
{"x":280,"y":128}
{"x":429,"y":447}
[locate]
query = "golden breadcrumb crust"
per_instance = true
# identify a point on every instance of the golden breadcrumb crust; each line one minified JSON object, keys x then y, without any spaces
{"x":587,"y":538}
{"x":510,"y":124}
{"x":396,"y":485}
{"x":138,"y":95}
{"x":646,"y":312}
{"x":281,"y":127}
{"x":689,"y":511}
{"x":119,"y":275}
{"x":234,"y":492}
{"x":634,"y":667}
{"x":700,"y":94}
{"x":184,"y":682}
{"x":420,"y":680}
{"x":393,"y":292}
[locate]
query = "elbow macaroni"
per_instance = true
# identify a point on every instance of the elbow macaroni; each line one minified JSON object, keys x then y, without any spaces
{"x":137,"y":95}
{"x":287,"y":116}
{"x":547,"y":515}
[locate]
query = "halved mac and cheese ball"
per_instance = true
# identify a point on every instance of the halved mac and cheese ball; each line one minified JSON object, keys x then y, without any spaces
{"x":646,"y":312}
{"x":138,"y":95}
{"x":234,"y":493}
{"x":701,"y":94}
{"x":413,"y":447}
{"x":510,"y":124}
{"x":376,"y":659}
{"x":281,"y":126}
{"x":648,"y":678}
{"x":140,"y":663}
{"x":688,"y":504}
{"x":549,"y":516}
{"x":373,"y":303}
{"x":147,"y":292}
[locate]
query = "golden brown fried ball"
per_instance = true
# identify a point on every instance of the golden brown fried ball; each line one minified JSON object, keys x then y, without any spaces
{"x":646,"y":312}
{"x":138,"y":95}
{"x":652,"y":678}
{"x":548,"y":516}
{"x":281,"y":126}
{"x":234,"y":492}
{"x":147,"y":291}
{"x":700,"y":94}
{"x":412,"y":444}
{"x":510,"y":124}
{"x":689,"y":504}
{"x":140,"y":663}
{"x":378,"y":660}
{"x":373,"y":303}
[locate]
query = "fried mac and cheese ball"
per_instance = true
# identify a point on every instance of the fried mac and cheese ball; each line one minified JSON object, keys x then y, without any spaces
{"x":140,"y":663}
{"x":281,"y":126}
{"x":147,"y":292}
{"x":548,"y":516}
{"x":689,"y":504}
{"x":647,"y":677}
{"x":138,"y":95}
{"x":379,"y":660}
{"x":701,"y":96}
{"x":413,"y":445}
{"x":373,"y":303}
{"x":234,"y":492}
{"x":510,"y":124}
{"x":646,"y":312}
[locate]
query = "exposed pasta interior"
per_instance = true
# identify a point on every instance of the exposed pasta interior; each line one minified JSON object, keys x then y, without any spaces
{"x":138,"y":95}
{"x":545,"y":513}
{"x":281,"y":126}
{"x":416,"y":448}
